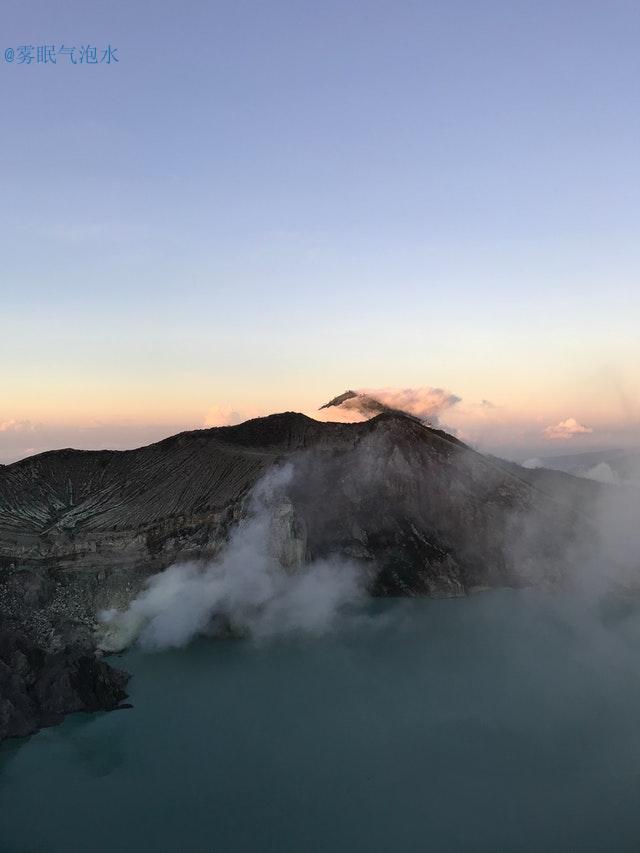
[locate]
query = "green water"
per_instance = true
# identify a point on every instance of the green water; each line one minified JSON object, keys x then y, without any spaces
{"x":503,"y":722}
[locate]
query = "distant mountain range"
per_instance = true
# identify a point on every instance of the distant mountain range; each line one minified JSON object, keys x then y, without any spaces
{"x":606,"y":466}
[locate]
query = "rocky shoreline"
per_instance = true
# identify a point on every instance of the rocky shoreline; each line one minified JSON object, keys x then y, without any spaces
{"x":39,"y":687}
{"x":48,"y":662}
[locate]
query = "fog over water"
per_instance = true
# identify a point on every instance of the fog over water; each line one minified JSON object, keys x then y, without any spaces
{"x":505,"y":721}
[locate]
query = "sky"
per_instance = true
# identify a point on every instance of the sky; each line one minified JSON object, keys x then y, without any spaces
{"x":260,"y":205}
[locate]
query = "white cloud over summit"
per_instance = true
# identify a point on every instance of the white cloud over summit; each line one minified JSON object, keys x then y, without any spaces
{"x":567,"y":429}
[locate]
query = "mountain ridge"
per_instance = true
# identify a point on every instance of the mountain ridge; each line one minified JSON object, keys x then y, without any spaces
{"x":423,"y":513}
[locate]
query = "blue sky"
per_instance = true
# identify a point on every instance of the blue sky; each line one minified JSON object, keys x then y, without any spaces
{"x":262,"y":204}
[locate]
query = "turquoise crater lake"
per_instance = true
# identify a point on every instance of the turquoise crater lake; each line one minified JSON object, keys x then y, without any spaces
{"x":509,"y":721}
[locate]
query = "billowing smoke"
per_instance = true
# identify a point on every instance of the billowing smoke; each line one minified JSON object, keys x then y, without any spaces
{"x":426,"y":404}
{"x":602,"y":473}
{"x":534,"y":462}
{"x":258,"y":586}
{"x":619,"y":469}
{"x":597,"y":554}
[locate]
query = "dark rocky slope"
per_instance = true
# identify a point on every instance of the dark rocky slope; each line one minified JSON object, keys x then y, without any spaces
{"x":81,"y":530}
{"x":38,"y":687}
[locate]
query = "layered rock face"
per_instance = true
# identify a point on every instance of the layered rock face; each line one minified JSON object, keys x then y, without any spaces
{"x":104,"y":514}
{"x":81,"y":530}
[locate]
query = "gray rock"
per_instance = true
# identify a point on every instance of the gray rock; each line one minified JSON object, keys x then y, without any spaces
{"x":81,"y":531}
{"x":37,"y":688}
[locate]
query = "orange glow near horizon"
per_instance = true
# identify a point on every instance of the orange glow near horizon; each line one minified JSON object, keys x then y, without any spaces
{"x":566,"y":422}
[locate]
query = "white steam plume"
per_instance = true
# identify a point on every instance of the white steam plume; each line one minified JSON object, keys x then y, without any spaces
{"x":602,"y":473}
{"x":426,"y":403}
{"x":246,"y":591}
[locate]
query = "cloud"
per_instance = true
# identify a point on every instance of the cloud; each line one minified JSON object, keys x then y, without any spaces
{"x":534,"y":462}
{"x":16,"y":426}
{"x":602,"y":473}
{"x":227,"y":415}
{"x":424,"y":403}
{"x":566,"y":429}
{"x":222,"y":416}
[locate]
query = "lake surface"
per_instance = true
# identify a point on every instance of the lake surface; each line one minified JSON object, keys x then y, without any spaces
{"x":508,"y":721}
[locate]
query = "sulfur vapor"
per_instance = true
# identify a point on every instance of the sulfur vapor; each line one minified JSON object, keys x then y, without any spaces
{"x":258,"y":586}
